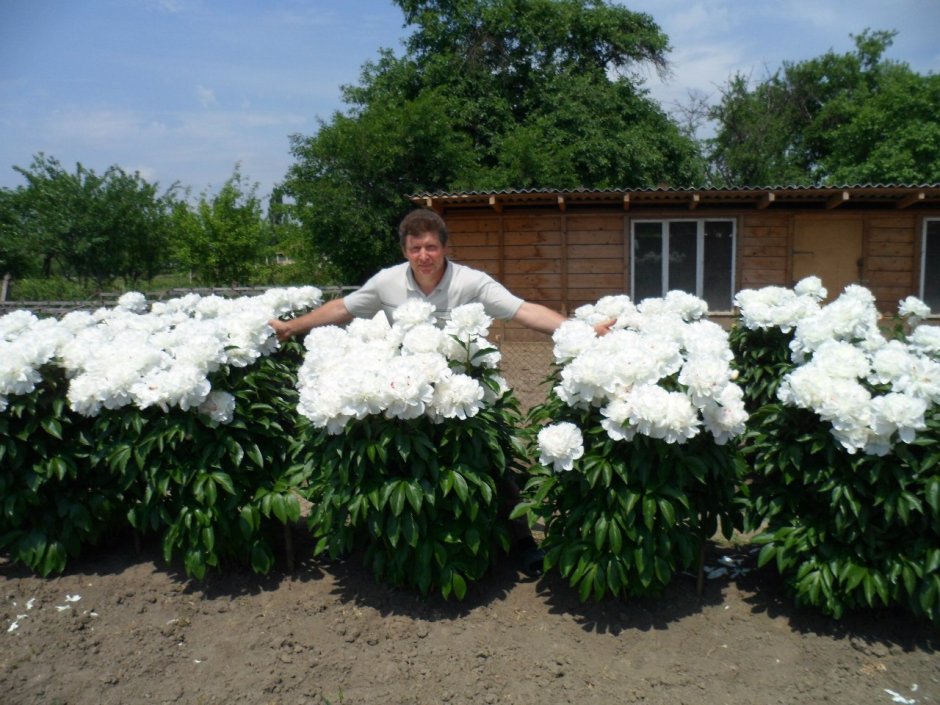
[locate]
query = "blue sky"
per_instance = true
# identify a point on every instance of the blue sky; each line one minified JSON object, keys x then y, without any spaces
{"x":182,"y":90}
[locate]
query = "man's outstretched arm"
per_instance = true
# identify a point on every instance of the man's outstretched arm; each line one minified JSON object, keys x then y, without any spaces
{"x":538,"y":317}
{"x":332,"y":313}
{"x":545,"y":320}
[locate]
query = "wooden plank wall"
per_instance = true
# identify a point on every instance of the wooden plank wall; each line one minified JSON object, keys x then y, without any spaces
{"x":560,"y":260}
{"x":891,"y":260}
{"x":763,"y":250}
{"x":566,"y":259}
{"x":598,"y":263}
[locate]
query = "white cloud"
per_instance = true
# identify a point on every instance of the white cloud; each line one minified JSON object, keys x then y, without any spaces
{"x":206,"y":96}
{"x":97,"y":127}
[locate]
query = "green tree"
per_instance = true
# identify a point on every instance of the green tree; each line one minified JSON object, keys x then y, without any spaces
{"x":291,"y":258}
{"x":85,"y":226}
{"x":224,"y":238}
{"x":835,"y":119}
{"x":489,"y":94}
{"x":16,"y":258}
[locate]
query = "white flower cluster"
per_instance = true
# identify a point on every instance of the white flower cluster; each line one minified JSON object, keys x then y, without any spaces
{"x":404,"y":371}
{"x":777,"y":307}
{"x":662,"y":371}
{"x":125,"y":355}
{"x":873,"y":391}
{"x":26,"y":344}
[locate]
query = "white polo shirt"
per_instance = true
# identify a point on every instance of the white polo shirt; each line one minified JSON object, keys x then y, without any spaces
{"x":391,"y":287}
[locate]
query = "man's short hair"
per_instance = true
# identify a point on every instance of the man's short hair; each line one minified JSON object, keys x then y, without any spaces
{"x":422,"y":221}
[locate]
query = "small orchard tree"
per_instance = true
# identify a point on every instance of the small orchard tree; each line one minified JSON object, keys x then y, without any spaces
{"x":222,"y":239}
{"x":85,"y":226}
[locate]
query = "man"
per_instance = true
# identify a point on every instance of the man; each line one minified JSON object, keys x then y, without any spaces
{"x":427,"y":274}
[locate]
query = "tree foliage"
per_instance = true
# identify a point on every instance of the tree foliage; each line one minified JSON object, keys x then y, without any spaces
{"x":489,"y":94}
{"x":82,"y":225}
{"x":223,"y":238}
{"x":835,"y":119}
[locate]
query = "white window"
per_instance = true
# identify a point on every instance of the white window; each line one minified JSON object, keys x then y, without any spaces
{"x":930,"y":265}
{"x":696,"y":256}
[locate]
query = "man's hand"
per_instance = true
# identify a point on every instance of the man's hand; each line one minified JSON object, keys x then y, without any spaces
{"x":282,"y":330}
{"x":332,"y":313}
{"x":604,"y":327}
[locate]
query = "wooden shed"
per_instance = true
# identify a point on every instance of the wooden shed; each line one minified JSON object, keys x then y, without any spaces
{"x":567,"y":248}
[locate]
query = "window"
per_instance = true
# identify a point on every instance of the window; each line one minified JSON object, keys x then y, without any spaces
{"x":696,"y":256}
{"x":930,"y":265}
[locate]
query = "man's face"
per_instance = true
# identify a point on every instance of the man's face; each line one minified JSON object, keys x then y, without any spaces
{"x":426,"y":256}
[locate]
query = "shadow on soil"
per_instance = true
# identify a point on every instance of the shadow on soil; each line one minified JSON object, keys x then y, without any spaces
{"x":867,"y":631}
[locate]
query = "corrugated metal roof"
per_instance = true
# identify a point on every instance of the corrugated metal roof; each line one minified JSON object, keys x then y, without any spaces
{"x":885,"y":195}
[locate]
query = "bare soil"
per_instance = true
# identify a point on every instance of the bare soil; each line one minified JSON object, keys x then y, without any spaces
{"x":124,"y":627}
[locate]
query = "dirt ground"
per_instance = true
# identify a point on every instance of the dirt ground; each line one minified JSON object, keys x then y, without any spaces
{"x":123,"y":627}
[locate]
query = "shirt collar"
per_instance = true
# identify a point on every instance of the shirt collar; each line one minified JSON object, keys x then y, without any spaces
{"x":445,"y":280}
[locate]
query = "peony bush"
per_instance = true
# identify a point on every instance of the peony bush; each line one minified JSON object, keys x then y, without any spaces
{"x":415,"y":431}
{"x":847,"y":471}
{"x":635,"y":466}
{"x":170,"y":419}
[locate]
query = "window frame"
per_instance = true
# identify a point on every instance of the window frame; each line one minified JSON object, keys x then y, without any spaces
{"x":699,"y":254}
{"x":925,"y":223}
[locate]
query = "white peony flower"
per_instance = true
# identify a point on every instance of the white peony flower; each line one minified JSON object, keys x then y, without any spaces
{"x":572,"y":338}
{"x":659,"y":413}
{"x":375,"y":328}
{"x":925,"y":340}
{"x":606,"y":308}
{"x":890,"y":363}
{"x":285,"y":300}
{"x":560,"y":445}
{"x":704,"y":376}
{"x":921,"y":380}
{"x":685,"y":305}
{"x":898,"y":413}
{"x":724,"y":415}
{"x":837,"y":358}
{"x":410,"y":387}
{"x":616,"y":420}
{"x":182,"y":385}
{"x":456,"y":396}
{"x":15,"y":323}
{"x":811,"y":286}
{"x":219,"y":406}
{"x":468,"y":322}
{"x":423,"y":338}
{"x":413,"y":312}
{"x":913,"y":309}
{"x":132,"y":301}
